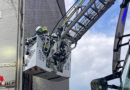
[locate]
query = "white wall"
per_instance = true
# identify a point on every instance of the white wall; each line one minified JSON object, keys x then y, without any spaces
{"x":8,"y":37}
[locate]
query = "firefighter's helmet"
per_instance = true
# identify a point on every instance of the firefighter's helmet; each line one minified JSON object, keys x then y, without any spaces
{"x":54,"y":35}
{"x":38,"y":28}
{"x":44,"y":29}
{"x":41,"y":29}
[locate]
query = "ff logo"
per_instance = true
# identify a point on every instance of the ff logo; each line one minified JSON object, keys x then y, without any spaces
{"x":2,"y":82}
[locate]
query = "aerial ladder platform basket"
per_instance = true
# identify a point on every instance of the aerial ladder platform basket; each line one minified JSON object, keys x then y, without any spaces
{"x":36,"y":64}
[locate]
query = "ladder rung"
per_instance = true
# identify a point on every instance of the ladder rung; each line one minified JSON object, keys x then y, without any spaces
{"x":96,"y":10}
{"x":87,"y":17}
{"x":81,"y":24}
{"x":102,"y":1}
{"x":74,"y":30}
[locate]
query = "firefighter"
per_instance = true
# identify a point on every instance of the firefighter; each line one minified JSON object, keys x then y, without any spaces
{"x":54,"y":39}
{"x":45,"y":36}
{"x":41,"y":32}
{"x":28,"y":43}
{"x":59,"y":59}
{"x":51,"y":54}
{"x":56,"y":58}
{"x":63,"y":48}
{"x":63,"y":54}
{"x":46,"y":47}
{"x":60,"y":56}
{"x":59,"y":31}
{"x":46,"y":40}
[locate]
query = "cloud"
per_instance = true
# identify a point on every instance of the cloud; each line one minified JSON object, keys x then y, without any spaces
{"x":91,"y":59}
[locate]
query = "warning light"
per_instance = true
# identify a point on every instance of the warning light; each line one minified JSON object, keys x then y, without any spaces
{"x":124,"y":15}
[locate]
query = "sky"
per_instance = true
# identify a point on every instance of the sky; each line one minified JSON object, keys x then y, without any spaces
{"x":92,"y":58}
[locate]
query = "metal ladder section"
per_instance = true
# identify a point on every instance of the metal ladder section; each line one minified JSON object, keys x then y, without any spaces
{"x":73,"y":10}
{"x":87,"y":16}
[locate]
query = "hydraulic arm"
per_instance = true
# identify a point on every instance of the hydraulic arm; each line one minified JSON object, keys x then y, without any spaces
{"x":119,"y":34}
